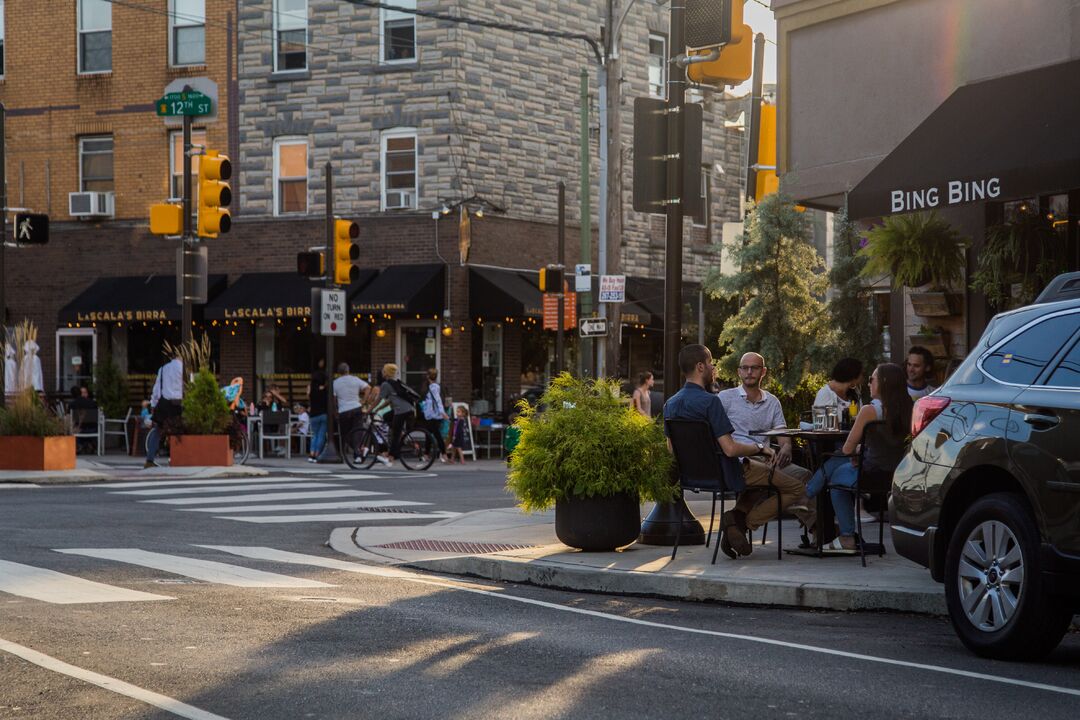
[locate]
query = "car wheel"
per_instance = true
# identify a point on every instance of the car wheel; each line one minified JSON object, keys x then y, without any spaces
{"x":993,"y":584}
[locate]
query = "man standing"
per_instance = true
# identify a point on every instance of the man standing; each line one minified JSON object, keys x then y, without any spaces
{"x":694,"y":402}
{"x":920,"y":368}
{"x":166,"y":399}
{"x":317,"y":409}
{"x":348,"y":390}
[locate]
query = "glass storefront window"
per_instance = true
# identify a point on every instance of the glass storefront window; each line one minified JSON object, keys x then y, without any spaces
{"x":418,"y":347}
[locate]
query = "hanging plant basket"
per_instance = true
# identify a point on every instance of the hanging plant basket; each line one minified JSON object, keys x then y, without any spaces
{"x":936,"y":304}
{"x":937,"y":343}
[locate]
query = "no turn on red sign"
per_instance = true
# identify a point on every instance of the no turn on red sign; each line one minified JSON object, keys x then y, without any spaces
{"x":332,"y":312}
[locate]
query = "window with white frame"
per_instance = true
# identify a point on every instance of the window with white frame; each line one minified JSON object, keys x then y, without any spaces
{"x":176,"y":164}
{"x":187,"y":32}
{"x":1,"y":38}
{"x":399,"y":164}
{"x":657,"y":65}
{"x":397,"y":37}
{"x":96,"y":163}
{"x":290,"y":175}
{"x":290,"y":35}
{"x":704,"y":216}
{"x":95,"y":36}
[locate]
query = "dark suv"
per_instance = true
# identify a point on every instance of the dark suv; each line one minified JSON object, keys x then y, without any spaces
{"x":988,"y":496}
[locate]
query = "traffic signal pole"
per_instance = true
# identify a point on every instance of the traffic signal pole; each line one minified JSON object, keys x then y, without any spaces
{"x":187,"y":240}
{"x":755,"y":118}
{"x":329,"y":452}
{"x":561,"y":279}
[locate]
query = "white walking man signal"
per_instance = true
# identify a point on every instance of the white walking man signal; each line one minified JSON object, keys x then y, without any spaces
{"x":25,"y":228}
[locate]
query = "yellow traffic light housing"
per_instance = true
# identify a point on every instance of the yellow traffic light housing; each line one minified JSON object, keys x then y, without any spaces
{"x":767,"y":180}
{"x":346,"y":251}
{"x":734,"y":66}
{"x":166,"y":219}
{"x":214,"y":194}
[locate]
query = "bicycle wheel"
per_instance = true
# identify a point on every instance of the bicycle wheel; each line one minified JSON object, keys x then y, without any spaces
{"x":418,"y":449}
{"x":362,"y":457}
{"x":241,"y":447}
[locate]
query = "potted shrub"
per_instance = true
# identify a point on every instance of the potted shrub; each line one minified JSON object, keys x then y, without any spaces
{"x":917,"y":250}
{"x":1020,"y":257}
{"x":592,"y":457}
{"x":32,"y":438}
{"x":205,"y":423}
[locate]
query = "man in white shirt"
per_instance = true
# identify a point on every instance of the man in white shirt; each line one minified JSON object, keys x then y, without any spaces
{"x":165,"y":399}
{"x":350,"y":393}
{"x":920,"y":368}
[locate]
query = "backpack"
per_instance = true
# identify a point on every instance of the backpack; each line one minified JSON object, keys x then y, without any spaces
{"x":405,"y":392}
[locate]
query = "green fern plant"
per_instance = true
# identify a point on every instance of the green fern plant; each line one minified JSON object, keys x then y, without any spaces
{"x":914,"y":250}
{"x":1025,"y":253}
{"x":587,"y":442}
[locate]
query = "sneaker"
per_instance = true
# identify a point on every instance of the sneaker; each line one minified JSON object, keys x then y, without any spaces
{"x":802,"y":504}
{"x":149,"y":464}
{"x":312,"y":459}
{"x":442,"y":458}
{"x":385,"y":460}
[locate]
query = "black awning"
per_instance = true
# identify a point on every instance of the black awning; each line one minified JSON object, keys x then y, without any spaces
{"x":1006,"y":138}
{"x":404,"y":290}
{"x":502,"y":293}
{"x":130,"y":299}
{"x":272,"y":295}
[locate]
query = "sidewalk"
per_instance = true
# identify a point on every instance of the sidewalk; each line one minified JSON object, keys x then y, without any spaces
{"x":510,"y":546}
{"x":123,"y":467}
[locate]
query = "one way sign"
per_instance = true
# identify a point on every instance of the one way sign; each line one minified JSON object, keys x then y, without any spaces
{"x":592,"y":327}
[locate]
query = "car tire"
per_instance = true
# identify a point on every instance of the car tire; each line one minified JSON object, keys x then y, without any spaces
{"x":996,"y":599}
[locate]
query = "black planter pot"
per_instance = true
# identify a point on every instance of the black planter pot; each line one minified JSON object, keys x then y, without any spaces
{"x":598,"y":524}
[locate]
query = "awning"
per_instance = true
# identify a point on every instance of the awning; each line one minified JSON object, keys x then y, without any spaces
{"x":404,"y":290}
{"x":271,"y":295}
{"x":130,"y":299}
{"x":1007,"y":138}
{"x":503,"y":293}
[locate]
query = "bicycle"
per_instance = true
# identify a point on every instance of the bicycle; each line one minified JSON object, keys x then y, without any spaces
{"x":239,"y":441}
{"x":360,"y":451}
{"x":360,"y":446}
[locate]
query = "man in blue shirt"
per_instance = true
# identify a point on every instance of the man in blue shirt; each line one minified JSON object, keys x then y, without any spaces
{"x":694,"y":402}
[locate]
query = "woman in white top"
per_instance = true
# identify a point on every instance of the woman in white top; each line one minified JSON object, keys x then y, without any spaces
{"x":846,"y":375}
{"x":434,"y":411}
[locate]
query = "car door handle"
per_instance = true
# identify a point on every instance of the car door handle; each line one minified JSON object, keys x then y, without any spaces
{"x":1047,"y":421}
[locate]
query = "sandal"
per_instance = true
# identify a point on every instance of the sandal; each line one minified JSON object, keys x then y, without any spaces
{"x":835,"y":548}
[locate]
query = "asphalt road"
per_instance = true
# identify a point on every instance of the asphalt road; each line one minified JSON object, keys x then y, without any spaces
{"x":370,"y":643}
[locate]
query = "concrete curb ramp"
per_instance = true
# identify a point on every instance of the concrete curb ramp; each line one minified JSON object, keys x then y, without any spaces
{"x":87,"y":471}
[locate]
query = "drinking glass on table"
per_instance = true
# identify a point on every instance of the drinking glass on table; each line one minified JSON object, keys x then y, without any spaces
{"x":819,"y":416}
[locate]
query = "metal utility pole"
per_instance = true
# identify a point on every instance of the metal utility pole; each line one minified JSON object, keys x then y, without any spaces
{"x":3,"y":242}
{"x":561,"y":279}
{"x":755,"y":118}
{"x":329,"y":452}
{"x":610,"y":211}
{"x":585,"y":349}
{"x":676,"y":88}
{"x":187,"y":241}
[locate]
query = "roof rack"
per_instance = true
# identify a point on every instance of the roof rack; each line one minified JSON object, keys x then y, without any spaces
{"x":1064,"y":287}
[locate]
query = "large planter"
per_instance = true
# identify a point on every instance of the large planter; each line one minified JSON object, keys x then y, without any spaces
{"x":22,"y":452}
{"x":598,"y":524}
{"x":192,"y":450}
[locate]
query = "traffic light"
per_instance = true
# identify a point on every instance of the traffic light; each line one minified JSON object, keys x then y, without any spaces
{"x":712,"y":23}
{"x":310,"y":264}
{"x":767,"y":180}
{"x":734,"y":66}
{"x":346,"y":251}
{"x":166,"y":219}
{"x":551,"y":279}
{"x":214,"y":194}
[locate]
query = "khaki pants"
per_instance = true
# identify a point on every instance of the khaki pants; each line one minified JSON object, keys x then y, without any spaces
{"x":760,"y":509}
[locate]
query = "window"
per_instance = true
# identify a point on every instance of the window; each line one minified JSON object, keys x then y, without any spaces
{"x":399,"y":185}
{"x":290,"y":175}
{"x":290,"y":35}
{"x":96,"y":164}
{"x":1020,"y":359}
{"x":1,"y":38}
{"x":658,"y":66}
{"x":397,"y":40}
{"x":187,"y":32}
{"x":1067,"y":374}
{"x":704,"y":217}
{"x":176,"y":164}
{"x":95,"y":36}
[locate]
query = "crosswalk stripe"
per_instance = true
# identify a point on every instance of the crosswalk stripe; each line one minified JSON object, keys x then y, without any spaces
{"x":341,"y":505}
{"x":284,"y":556}
{"x":186,"y":483}
{"x":207,"y":570}
{"x":342,"y":517}
{"x":17,"y":486}
{"x":260,"y":497}
{"x":309,"y":471}
{"x":230,"y":488}
{"x":60,"y":589}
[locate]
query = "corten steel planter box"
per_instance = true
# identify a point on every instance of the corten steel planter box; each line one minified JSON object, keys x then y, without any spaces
{"x":22,"y":452}
{"x":192,"y":450}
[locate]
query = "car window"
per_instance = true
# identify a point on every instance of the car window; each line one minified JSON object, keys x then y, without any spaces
{"x":1021,"y":359}
{"x":1067,"y":373}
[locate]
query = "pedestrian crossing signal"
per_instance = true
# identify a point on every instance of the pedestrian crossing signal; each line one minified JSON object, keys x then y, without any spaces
{"x":31,"y":229}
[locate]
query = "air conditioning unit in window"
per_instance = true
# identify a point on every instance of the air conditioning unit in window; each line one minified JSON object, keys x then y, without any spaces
{"x":91,"y":204}
{"x":399,"y":199}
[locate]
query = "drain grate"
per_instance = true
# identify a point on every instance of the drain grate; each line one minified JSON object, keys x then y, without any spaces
{"x":396,"y":511}
{"x":454,"y":546}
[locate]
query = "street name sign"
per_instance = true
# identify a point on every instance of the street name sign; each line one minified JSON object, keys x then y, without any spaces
{"x":31,"y":229}
{"x":592,"y":327}
{"x":612,"y":288}
{"x":332,"y":312}
{"x":177,"y":104}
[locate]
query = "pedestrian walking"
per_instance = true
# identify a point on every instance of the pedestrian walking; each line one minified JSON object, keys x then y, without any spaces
{"x":317,"y":409}
{"x":166,"y":398}
{"x":348,"y":393}
{"x":642,"y":399}
{"x":435,"y":411}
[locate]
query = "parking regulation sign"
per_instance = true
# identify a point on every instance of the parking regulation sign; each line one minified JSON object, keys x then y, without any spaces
{"x":332,"y":312}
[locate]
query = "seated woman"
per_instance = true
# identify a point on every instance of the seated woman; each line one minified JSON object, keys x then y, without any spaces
{"x":884,"y":448}
{"x":845,"y":378}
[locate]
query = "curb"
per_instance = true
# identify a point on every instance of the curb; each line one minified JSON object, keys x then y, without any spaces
{"x":809,"y":596}
{"x":103,"y":473}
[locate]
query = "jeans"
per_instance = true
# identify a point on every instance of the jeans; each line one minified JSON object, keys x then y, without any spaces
{"x":435,"y":427}
{"x":153,"y":443}
{"x":838,"y":471}
{"x":318,"y":434}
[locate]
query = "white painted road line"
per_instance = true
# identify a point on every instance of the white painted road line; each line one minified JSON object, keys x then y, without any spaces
{"x":231,"y":488}
{"x":60,"y":589}
{"x":17,"y":486}
{"x":316,"y":495}
{"x":119,"y":687}
{"x":207,"y":570}
{"x":284,"y":556}
{"x":341,"y":505}
{"x":184,"y":483}
{"x":342,"y":517}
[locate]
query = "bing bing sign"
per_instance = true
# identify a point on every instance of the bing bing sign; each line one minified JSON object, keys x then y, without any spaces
{"x":954,"y":192}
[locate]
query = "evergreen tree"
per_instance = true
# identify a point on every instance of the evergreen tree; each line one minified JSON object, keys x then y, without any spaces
{"x":779,"y":289}
{"x":851,"y":309}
